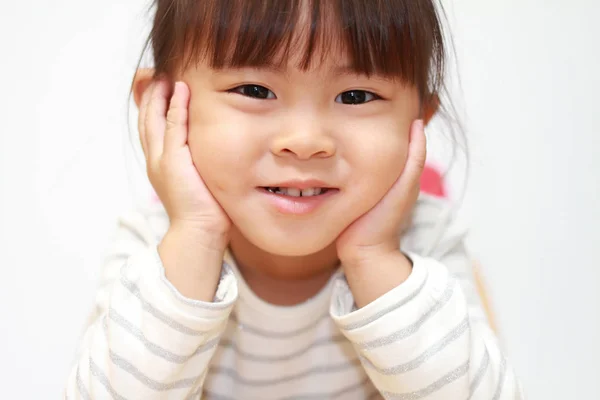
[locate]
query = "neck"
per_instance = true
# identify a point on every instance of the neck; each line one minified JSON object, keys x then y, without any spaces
{"x":282,"y":280}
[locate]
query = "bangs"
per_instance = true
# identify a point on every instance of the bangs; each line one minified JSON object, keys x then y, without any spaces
{"x":400,"y":39}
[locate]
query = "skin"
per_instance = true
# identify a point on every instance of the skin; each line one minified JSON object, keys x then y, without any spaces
{"x":372,"y":154}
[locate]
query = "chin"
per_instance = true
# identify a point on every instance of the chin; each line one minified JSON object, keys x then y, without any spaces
{"x":289,"y":244}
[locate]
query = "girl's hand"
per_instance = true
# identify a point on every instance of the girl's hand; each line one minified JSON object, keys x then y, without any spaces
{"x":163,"y":127}
{"x":192,"y":249}
{"x":375,"y":235}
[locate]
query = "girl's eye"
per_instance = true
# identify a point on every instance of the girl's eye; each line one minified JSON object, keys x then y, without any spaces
{"x":354,"y":97}
{"x":255,"y":91}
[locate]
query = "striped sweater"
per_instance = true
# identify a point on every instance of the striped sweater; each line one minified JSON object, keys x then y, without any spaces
{"x":426,"y":339}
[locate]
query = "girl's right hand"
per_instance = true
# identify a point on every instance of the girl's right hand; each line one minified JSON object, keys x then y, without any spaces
{"x":163,"y":127}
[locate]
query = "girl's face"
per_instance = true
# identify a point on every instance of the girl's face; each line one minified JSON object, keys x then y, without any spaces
{"x":252,"y":131}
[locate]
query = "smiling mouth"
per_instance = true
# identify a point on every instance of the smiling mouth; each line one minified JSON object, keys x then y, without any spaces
{"x":295,"y":192}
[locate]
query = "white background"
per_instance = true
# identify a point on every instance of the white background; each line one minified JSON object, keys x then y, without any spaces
{"x":530,"y":75}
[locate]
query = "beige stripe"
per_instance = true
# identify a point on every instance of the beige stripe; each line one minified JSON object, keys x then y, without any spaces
{"x":148,"y":382}
{"x":228,"y":344}
{"x":333,"y":395}
{"x":81,"y":387}
{"x":434,"y":387}
{"x":432,"y":351}
{"x":238,"y":379}
{"x":318,"y":396}
{"x":152,"y":347}
{"x":150,"y":309}
{"x":278,"y":335}
{"x":413,"y":328}
{"x":501,"y":379}
{"x":485,"y":362}
{"x":98,"y":374}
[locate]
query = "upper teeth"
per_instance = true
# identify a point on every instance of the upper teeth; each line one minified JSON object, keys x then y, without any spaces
{"x":295,"y":192}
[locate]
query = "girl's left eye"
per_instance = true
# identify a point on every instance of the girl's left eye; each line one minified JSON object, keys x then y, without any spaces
{"x":354,"y":97}
{"x":254,"y":91}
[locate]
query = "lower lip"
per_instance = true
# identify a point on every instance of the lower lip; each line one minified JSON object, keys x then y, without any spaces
{"x":297,"y":205}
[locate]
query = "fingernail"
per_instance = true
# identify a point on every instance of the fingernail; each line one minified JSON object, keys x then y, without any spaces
{"x":420,"y":124}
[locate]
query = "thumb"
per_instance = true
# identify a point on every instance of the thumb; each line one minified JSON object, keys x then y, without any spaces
{"x":415,"y":161}
{"x":406,"y":189}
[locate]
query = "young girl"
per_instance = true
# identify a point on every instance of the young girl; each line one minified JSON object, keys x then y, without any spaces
{"x":293,"y":258}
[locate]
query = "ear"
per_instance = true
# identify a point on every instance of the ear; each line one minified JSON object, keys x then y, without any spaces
{"x":431,"y":108}
{"x":143,"y":78}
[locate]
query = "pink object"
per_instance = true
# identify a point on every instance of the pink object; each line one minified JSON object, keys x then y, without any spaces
{"x":432,"y":182}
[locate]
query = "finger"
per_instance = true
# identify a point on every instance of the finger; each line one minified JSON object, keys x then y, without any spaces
{"x":142,"y":118}
{"x":417,"y":155}
{"x":406,"y":188}
{"x":177,"y":118}
{"x":155,"y":121}
{"x":405,"y":191}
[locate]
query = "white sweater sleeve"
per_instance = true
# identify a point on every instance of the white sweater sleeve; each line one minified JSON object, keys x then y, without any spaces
{"x":144,"y":340}
{"x":428,"y":338}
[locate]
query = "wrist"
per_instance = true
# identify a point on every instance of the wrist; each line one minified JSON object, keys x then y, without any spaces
{"x":366,"y":256}
{"x":375,"y":274}
{"x":192,"y":259}
{"x":199,"y":237}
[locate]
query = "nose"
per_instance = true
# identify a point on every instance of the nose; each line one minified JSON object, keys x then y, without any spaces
{"x":303,"y":140}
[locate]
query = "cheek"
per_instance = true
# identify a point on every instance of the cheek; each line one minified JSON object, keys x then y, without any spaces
{"x":386,"y":157}
{"x":381,"y":153}
{"x":377,"y":160}
{"x":221,"y":148}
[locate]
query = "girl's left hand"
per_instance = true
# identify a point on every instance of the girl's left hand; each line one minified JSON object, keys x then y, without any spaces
{"x":376,"y":233}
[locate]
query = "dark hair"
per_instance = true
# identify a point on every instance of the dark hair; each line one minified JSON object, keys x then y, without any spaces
{"x":402,"y":39}
{"x":396,"y":38}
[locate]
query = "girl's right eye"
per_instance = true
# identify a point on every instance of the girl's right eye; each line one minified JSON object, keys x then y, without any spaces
{"x":254,"y":91}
